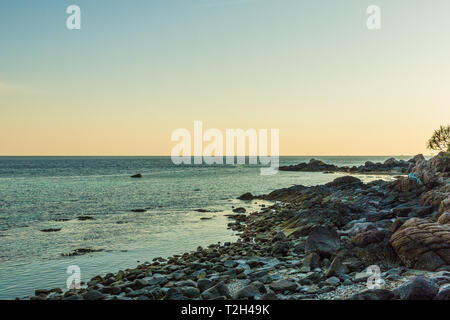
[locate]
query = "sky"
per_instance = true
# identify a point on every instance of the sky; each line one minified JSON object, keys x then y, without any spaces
{"x":140,"y":69}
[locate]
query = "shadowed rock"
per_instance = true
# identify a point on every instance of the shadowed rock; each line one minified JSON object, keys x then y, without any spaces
{"x":323,"y":241}
{"x":422,"y":245}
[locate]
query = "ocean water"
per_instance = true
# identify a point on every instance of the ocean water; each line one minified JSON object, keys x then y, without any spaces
{"x":38,"y":193}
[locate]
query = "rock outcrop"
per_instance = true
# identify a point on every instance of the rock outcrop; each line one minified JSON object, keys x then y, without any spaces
{"x":423,"y":245}
{"x":390,"y":165}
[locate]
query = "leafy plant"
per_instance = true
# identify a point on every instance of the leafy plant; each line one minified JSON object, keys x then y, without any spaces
{"x":440,"y":141}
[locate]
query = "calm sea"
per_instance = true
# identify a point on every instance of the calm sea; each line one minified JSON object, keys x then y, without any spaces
{"x":38,"y":193}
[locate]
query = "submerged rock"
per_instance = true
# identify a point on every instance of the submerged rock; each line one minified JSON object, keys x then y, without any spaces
{"x":51,"y":230}
{"x":84,"y":218}
{"x":138,"y":175}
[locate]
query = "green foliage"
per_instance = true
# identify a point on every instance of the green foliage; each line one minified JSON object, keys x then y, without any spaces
{"x":440,"y":140}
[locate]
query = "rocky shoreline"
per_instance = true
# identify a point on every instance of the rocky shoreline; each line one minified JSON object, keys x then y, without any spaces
{"x":317,"y":242}
{"x":390,"y":166}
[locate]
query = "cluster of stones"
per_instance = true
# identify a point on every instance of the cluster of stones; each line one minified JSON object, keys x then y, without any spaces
{"x":312,"y":243}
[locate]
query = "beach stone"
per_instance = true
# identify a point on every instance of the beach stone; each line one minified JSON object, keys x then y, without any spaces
{"x":230,"y":264}
{"x":190,"y":292}
{"x":93,"y":295}
{"x":141,"y":292}
{"x":216,"y":292}
{"x":361,"y":277}
{"x":422,"y":245}
{"x":247,"y":292}
{"x":312,"y":260}
{"x":204,"y":284}
{"x":333,"y":281}
{"x":283,"y":285}
{"x":174,"y":294}
{"x":157,"y":279}
{"x":336,"y":268}
{"x":120,"y":275}
{"x":323,"y":241}
{"x":140,"y":283}
{"x":347,"y":282}
{"x":239,"y":210}
{"x":269,"y":296}
{"x":374,"y":294}
{"x":419,"y":288}
{"x":178,"y":275}
{"x":280,"y":248}
{"x":186,"y":283}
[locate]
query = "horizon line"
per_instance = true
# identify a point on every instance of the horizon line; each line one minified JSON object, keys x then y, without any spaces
{"x":286,"y":155}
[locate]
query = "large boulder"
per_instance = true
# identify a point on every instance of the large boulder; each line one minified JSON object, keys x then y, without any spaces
{"x":434,"y":171}
{"x":323,"y":241}
{"x":422,"y":245}
{"x":419,"y":288}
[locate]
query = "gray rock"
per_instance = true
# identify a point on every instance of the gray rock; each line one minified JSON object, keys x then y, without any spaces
{"x":204,"y":284}
{"x":333,"y":281}
{"x":269,"y":296}
{"x":323,"y":241}
{"x":283,"y":285}
{"x":174,"y":294}
{"x":93,"y":295}
{"x":157,"y":279}
{"x":190,"y":292}
{"x":347,"y":282}
{"x":419,"y":288}
{"x":312,"y":260}
{"x":361,"y":277}
{"x":230,"y":264}
{"x":139,"y":283}
{"x":248,"y":292}
{"x":375,"y":294}
{"x":216,"y":292}
{"x":336,"y":268}
{"x":186,"y":283}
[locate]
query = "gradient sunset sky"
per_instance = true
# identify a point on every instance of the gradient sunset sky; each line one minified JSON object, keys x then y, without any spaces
{"x":139,"y":69}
